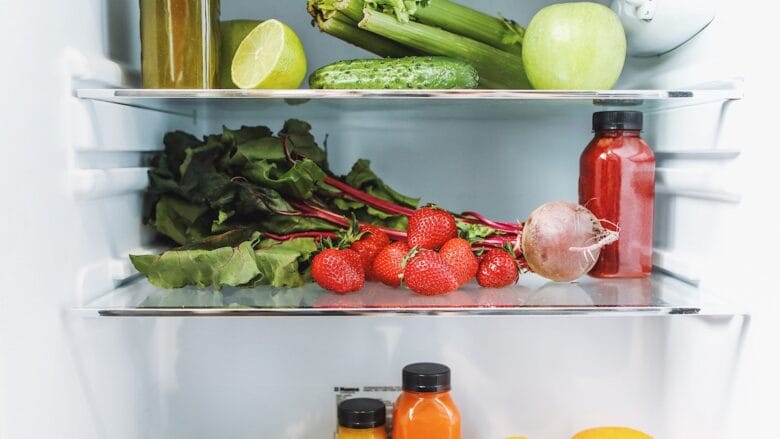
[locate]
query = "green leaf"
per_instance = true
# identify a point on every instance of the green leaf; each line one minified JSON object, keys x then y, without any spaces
{"x":181,"y":221}
{"x":220,"y":225}
{"x":300,"y":181}
{"x":227,"y":259}
{"x":266,"y":148}
{"x":234,"y":138}
{"x":347,"y":205}
{"x":280,"y":262}
{"x":286,"y":224}
{"x":176,"y":144}
{"x":475,"y":232}
{"x":206,"y":153}
{"x":362,"y":177}
{"x":298,"y":134}
{"x":304,"y":246}
{"x":367,"y":214}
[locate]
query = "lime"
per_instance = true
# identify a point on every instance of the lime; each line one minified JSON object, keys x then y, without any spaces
{"x":270,"y":56}
{"x":232,"y":33}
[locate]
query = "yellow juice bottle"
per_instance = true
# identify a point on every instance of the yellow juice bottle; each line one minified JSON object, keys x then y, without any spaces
{"x":361,"y":418}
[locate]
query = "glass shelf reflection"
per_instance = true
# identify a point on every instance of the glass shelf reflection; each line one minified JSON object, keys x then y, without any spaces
{"x":657,"y":295}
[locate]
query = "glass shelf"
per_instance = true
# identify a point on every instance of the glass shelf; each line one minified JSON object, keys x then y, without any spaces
{"x":479,"y":104}
{"x":658,"y":295}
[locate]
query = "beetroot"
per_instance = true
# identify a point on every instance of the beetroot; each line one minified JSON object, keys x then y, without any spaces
{"x":562,"y":241}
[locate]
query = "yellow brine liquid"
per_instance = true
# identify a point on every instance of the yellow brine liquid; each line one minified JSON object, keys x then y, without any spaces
{"x":179,"y":43}
{"x":362,"y":433}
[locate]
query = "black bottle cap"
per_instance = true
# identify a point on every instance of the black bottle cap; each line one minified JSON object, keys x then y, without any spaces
{"x":617,"y":120}
{"x":426,"y":377}
{"x":361,"y":413}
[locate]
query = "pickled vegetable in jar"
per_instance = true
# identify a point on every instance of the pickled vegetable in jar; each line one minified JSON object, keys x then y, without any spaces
{"x":617,"y":184}
{"x":179,"y":43}
{"x":361,"y":418}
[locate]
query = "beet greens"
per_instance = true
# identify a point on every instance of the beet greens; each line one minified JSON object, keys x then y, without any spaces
{"x":246,"y":208}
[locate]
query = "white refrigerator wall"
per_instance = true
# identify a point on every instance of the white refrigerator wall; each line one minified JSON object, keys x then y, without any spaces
{"x":74,"y":212}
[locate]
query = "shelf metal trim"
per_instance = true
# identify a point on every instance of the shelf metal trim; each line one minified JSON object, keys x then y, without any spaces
{"x":465,"y":94}
{"x":362,"y":312}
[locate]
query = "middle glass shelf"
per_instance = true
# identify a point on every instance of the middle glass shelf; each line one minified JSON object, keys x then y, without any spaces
{"x":426,"y":104}
{"x":658,"y":295}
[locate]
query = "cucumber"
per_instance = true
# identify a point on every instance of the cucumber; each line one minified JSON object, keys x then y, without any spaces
{"x":412,"y":72}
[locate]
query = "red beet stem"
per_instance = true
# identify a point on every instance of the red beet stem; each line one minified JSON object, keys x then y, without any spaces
{"x":326,"y":215}
{"x":498,"y":225}
{"x":313,"y":234}
{"x":369,"y":199}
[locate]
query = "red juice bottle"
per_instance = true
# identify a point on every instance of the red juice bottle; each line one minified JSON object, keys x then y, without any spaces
{"x":617,"y":184}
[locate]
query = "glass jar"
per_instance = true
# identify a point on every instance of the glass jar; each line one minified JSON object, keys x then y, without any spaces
{"x":425,"y":409}
{"x":361,"y":418}
{"x":617,"y":184}
{"x":179,"y":43}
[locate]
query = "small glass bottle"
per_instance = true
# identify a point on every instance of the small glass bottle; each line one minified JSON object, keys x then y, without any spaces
{"x":361,"y":418}
{"x":179,"y":42}
{"x":425,"y":409}
{"x":617,"y":184}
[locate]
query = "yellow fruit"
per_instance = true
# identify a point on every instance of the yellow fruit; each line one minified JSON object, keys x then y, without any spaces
{"x":271,"y":57}
{"x":611,"y":433}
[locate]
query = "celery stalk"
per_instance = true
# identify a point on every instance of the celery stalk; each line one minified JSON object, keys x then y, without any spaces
{"x":351,"y":8}
{"x":344,"y":28}
{"x":322,"y":8}
{"x":497,"y":32}
{"x":496,"y":68}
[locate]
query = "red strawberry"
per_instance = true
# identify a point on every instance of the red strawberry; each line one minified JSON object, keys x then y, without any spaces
{"x":372,"y":242}
{"x":497,"y":269}
{"x":340,"y":271}
{"x":388,"y":264}
{"x":430,"y":227}
{"x":458,"y":255}
{"x":427,"y":273}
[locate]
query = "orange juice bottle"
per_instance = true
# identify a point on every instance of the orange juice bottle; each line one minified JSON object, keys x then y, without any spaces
{"x":425,"y":409}
{"x":361,"y":418}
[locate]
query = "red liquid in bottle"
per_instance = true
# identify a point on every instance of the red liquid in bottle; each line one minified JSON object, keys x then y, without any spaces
{"x":617,"y":184}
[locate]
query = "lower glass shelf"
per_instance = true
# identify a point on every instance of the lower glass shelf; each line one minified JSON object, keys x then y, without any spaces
{"x":657,"y":295}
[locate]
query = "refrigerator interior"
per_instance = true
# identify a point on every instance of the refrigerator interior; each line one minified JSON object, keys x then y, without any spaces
{"x":74,"y":182}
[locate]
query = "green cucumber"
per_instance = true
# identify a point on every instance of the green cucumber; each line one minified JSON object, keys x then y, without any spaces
{"x":412,"y":72}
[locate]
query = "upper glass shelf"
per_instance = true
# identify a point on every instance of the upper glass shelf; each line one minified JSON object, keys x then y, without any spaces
{"x":657,"y":295}
{"x":479,"y":104}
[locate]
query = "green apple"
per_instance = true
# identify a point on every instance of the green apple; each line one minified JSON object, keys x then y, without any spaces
{"x":574,"y":46}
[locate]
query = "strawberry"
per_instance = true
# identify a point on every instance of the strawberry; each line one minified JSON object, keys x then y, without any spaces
{"x":458,"y":255}
{"x":497,"y":269}
{"x":427,"y":273}
{"x":388,"y":264}
{"x":340,"y":271}
{"x":369,"y":245}
{"x":430,"y":227}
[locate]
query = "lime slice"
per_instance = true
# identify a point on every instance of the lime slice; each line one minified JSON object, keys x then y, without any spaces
{"x":232,"y":33}
{"x":271,"y":56}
